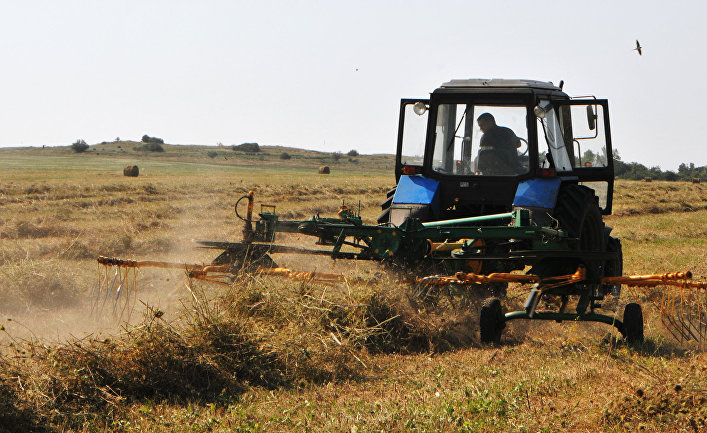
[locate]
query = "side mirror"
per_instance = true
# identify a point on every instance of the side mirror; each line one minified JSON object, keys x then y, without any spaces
{"x":591,"y":118}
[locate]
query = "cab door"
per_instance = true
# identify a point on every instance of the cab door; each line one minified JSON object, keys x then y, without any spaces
{"x":592,"y":154}
{"x":412,"y":132}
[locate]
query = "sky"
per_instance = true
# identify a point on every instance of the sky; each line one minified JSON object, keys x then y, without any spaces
{"x":328,"y":75}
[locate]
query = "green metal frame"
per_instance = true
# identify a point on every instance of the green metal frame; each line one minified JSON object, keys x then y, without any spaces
{"x":559,"y":317}
{"x":410,"y":241}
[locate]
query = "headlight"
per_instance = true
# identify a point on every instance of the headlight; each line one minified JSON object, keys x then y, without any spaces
{"x":419,"y":108}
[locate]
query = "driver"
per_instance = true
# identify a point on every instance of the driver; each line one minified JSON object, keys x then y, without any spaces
{"x":500,"y":140}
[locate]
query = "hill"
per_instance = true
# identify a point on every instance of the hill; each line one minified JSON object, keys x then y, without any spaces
{"x":133,"y":152}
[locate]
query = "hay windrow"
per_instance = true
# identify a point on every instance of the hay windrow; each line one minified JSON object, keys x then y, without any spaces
{"x":260,"y":333}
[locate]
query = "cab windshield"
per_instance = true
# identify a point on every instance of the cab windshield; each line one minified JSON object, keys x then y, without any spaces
{"x":481,"y":140}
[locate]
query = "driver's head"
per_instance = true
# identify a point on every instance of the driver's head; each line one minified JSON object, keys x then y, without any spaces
{"x":486,"y":121}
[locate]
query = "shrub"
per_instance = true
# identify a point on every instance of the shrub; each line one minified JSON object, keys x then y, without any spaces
{"x":79,"y":146}
{"x":352,"y":152}
{"x":147,"y":139}
{"x":150,"y":147}
{"x":247,"y":147}
{"x":336,"y":156}
{"x":212,"y":153}
{"x":285,"y":155}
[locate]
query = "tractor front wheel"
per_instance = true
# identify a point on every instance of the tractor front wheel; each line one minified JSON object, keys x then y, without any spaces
{"x":491,"y":321}
{"x":633,"y":324}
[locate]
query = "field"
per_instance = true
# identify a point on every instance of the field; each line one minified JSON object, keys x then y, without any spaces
{"x":274,"y":355}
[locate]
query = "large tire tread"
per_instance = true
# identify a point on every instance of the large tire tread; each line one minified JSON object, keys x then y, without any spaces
{"x":578,"y":213}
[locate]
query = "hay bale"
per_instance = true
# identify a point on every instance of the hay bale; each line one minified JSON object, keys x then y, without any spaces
{"x":695,"y":180}
{"x":131,"y":170}
{"x":648,"y":179}
{"x":324,"y":169}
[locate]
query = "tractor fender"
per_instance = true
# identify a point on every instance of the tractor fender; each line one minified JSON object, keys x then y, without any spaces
{"x":539,"y":196}
{"x":415,"y":196}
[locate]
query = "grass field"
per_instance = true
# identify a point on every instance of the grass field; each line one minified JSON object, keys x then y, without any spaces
{"x":273,"y":355}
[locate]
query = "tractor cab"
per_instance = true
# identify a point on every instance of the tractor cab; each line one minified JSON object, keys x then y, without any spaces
{"x":475,"y":145}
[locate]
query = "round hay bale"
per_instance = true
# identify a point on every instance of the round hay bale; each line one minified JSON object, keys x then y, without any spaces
{"x":131,"y":170}
{"x":324,"y":169}
{"x":648,"y":179}
{"x":695,"y":180}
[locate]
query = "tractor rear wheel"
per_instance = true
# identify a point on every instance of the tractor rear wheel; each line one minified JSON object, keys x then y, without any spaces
{"x":491,"y":321}
{"x":633,"y":324}
{"x":578,"y":213}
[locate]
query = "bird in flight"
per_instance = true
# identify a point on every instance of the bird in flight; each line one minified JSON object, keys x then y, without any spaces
{"x":638,"y":48}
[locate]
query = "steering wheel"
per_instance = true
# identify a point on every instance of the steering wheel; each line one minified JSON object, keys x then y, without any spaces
{"x":525,"y":152}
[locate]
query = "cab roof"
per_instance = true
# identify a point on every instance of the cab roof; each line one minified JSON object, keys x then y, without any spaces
{"x":498,"y":87}
{"x":499,"y":83}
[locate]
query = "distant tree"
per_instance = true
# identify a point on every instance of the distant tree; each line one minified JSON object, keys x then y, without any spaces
{"x":285,"y":155}
{"x":246,"y":147}
{"x":336,"y":156}
{"x":670,"y":175}
{"x":147,"y":139}
{"x":352,"y":152}
{"x":79,"y":146}
{"x":620,"y":168}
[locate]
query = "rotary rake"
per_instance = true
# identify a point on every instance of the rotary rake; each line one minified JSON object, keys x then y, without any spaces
{"x":680,"y":301}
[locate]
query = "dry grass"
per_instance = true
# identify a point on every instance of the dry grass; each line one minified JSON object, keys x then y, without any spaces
{"x":274,"y":355}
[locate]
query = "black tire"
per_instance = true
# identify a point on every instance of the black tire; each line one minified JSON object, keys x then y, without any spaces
{"x":633,"y":324}
{"x":384,"y":217}
{"x":491,"y":321}
{"x":578,"y":213}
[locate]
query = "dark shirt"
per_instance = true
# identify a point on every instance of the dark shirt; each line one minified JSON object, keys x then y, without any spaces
{"x":501,"y":138}
{"x":502,"y":142}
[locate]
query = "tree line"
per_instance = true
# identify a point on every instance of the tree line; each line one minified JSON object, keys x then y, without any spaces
{"x":637,"y":171}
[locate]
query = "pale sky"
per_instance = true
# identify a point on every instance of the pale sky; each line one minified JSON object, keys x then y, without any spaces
{"x":328,"y":75}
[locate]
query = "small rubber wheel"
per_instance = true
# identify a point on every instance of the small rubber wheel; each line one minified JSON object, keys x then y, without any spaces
{"x":633,"y":324}
{"x":491,"y":321}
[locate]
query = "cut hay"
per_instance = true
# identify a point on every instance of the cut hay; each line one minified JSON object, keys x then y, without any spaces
{"x":131,"y":171}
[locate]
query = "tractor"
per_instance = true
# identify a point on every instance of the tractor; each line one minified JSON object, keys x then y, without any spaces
{"x":558,"y":167}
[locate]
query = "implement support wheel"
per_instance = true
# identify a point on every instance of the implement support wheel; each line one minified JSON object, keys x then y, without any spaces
{"x":633,"y":324}
{"x":491,"y":321}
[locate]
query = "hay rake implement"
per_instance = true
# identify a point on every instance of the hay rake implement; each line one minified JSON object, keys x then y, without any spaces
{"x":682,"y":302}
